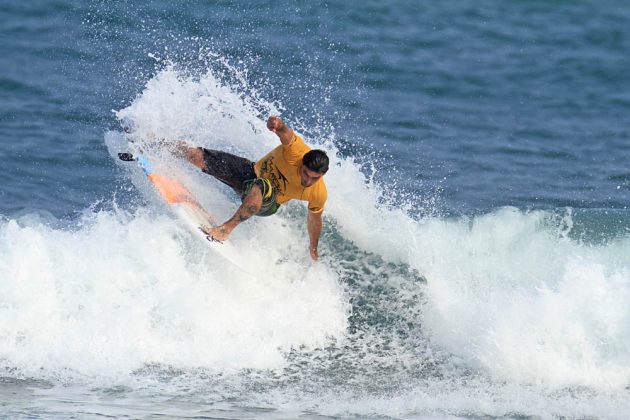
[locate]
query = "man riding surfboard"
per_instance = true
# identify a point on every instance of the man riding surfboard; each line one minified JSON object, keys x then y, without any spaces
{"x":291,"y":171}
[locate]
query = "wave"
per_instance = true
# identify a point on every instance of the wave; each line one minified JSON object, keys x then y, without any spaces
{"x":511,"y":294}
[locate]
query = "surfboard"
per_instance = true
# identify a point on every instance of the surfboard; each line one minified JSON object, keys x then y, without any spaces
{"x":179,"y":199}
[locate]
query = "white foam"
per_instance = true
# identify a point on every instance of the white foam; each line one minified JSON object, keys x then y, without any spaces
{"x":510,"y":296}
{"x":126,"y":290}
{"x":473,"y":398}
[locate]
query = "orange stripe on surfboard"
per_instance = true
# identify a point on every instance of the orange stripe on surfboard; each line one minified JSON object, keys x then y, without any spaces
{"x":172,"y":191}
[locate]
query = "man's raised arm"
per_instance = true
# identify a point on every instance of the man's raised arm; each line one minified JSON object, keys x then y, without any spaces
{"x":283,"y":131}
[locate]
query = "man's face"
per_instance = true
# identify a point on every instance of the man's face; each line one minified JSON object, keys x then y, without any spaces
{"x":308,"y":177}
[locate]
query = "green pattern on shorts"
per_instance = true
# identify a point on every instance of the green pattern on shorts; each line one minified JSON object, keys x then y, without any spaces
{"x":269,"y":205}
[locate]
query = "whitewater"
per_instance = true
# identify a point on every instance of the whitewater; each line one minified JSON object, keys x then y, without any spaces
{"x":408,"y":314}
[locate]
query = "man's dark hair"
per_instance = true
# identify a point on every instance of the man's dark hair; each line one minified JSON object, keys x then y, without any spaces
{"x":316,"y":160}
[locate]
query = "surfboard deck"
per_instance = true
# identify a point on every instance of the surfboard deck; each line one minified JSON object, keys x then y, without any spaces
{"x":178,"y":198}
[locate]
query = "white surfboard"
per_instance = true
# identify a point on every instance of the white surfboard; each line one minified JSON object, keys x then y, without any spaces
{"x":178,"y":198}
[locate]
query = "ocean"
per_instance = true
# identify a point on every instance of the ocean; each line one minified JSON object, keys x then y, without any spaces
{"x":475,"y":256}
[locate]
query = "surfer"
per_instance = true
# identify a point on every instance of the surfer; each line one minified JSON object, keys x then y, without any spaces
{"x":291,"y":171}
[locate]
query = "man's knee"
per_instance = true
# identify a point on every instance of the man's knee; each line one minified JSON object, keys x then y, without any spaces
{"x":260,"y":193}
{"x":192,"y":154}
{"x":253,"y":200}
{"x":254,"y":195}
{"x":195,"y":156}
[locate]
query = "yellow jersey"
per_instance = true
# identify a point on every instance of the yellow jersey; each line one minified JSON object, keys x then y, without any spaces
{"x":281,"y":167}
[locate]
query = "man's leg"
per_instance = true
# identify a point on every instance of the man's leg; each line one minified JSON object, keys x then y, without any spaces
{"x":192,"y":154}
{"x":250,"y":206}
{"x":233,"y":171}
{"x":230,"y":169}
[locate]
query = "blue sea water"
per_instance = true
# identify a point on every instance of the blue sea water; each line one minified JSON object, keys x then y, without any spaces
{"x":475,"y":255}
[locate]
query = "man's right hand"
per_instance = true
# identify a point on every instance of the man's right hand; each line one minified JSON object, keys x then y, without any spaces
{"x":284,"y":133}
{"x":275,"y":124}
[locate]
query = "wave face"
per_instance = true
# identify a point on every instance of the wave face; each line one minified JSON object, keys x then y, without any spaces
{"x":404,"y":314}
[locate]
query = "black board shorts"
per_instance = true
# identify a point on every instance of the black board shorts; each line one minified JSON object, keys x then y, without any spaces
{"x":238,"y":173}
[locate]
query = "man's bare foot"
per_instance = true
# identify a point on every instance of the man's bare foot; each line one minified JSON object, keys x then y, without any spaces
{"x":218,"y":233}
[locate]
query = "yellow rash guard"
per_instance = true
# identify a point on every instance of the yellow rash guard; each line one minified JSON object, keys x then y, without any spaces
{"x":281,"y":167}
